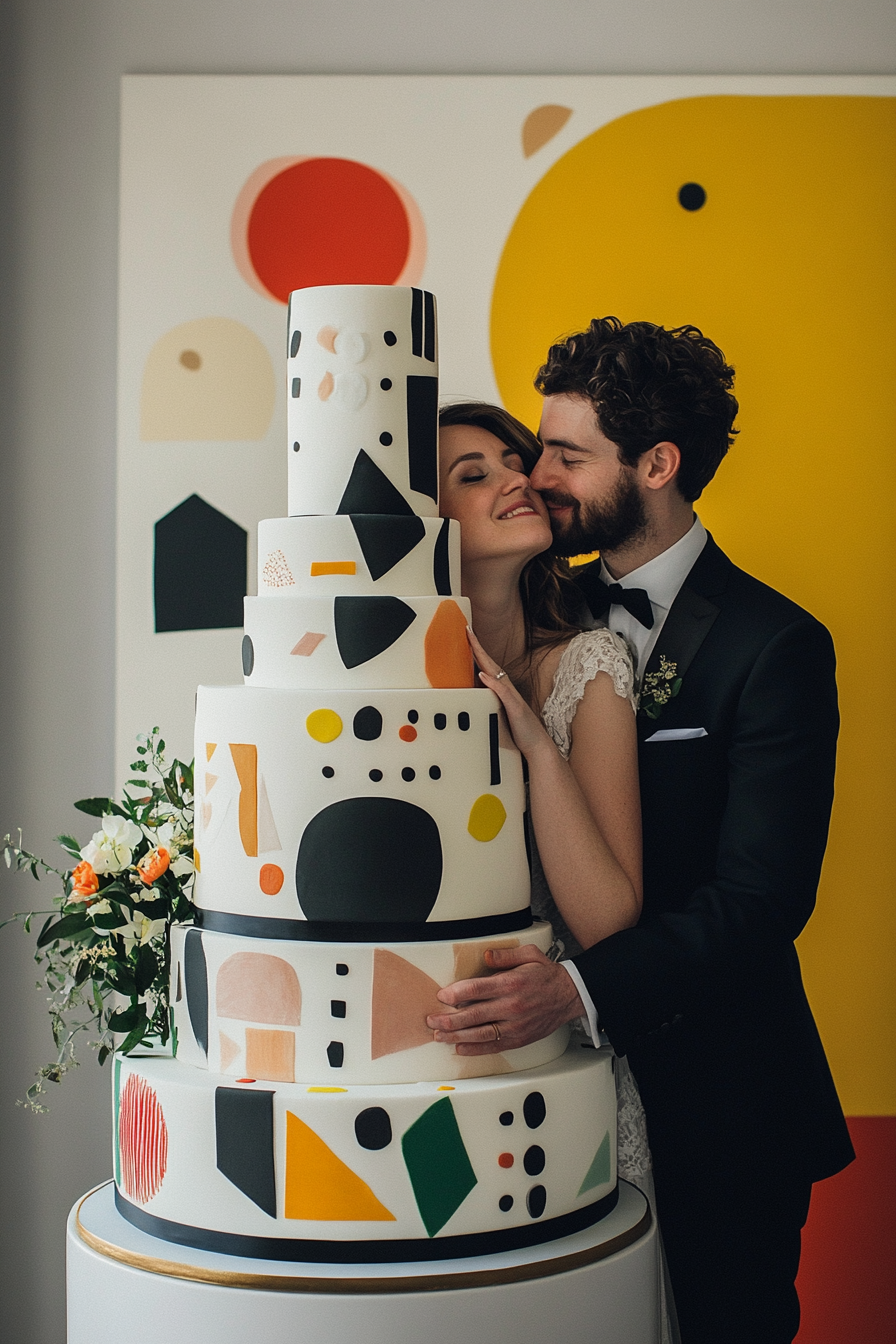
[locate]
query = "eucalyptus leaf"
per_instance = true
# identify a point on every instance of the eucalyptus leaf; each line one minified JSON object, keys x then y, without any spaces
{"x":70,"y":926}
{"x":125,"y":1019}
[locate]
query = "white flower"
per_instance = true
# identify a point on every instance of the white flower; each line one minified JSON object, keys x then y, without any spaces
{"x":140,"y":930}
{"x":111,"y":848}
{"x":167,"y":836}
{"x":182,"y":866}
{"x":99,"y":908}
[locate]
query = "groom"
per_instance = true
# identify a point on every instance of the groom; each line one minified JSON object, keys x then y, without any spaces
{"x":737,"y":730}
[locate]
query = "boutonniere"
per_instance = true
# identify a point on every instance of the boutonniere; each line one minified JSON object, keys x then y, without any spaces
{"x":658,"y":688}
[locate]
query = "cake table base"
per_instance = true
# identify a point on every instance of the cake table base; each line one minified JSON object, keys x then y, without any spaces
{"x":596,"y":1287}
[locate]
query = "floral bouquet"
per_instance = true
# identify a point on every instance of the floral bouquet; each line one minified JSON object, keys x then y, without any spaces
{"x":104,"y":946}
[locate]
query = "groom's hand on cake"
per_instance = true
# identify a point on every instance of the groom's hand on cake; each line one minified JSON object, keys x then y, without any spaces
{"x":526,"y":999}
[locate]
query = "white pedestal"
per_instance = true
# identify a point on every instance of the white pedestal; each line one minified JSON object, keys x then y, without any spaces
{"x":597,"y":1287}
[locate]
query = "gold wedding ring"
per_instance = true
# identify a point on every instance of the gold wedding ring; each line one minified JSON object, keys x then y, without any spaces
{"x":497,"y":1030}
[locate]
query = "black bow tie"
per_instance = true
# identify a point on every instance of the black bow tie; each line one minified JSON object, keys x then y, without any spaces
{"x":602,"y":596}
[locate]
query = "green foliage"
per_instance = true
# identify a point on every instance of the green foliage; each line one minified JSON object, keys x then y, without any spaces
{"x":104,"y":946}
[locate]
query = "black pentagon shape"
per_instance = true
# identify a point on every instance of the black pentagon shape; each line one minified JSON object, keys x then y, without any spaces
{"x":367,"y":626}
{"x":199,"y":569}
{"x":385,"y":540}
{"x":335,"y":1054}
{"x":369,"y":490}
{"x":369,"y":859}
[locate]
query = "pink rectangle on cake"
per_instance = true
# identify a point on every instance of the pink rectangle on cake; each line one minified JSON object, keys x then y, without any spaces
{"x":307,"y":644}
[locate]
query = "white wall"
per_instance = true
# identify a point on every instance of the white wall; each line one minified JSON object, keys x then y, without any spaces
{"x":60,"y":63}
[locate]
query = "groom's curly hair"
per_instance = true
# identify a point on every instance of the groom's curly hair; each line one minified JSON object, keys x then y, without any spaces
{"x":648,"y":384}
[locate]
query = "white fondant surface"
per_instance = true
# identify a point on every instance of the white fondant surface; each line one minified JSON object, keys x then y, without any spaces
{"x":342,"y":407}
{"x":289,"y":547}
{"x":479,"y":877}
{"x":263,"y":979}
{"x":612,"y":1300}
{"x":275,"y":628}
{"x":579,"y":1096}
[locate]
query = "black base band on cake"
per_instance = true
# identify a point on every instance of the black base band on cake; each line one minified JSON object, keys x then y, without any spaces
{"x":368,"y":1252}
{"x":379,"y":931}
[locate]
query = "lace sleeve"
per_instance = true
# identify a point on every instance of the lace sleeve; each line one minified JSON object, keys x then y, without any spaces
{"x":589,"y":653}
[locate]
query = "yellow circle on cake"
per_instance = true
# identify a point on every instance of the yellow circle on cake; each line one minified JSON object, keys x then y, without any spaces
{"x":487,"y":816}
{"x":324,"y":725}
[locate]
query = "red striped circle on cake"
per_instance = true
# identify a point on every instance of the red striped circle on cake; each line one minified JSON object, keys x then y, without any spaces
{"x":142,"y":1140}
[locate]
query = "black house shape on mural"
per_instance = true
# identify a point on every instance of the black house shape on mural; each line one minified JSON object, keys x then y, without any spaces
{"x":199,"y":569}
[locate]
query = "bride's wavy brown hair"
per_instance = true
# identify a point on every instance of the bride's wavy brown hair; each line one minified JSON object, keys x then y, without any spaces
{"x":551,"y":600}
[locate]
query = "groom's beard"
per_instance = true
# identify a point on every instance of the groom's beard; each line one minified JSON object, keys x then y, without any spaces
{"x":594,"y":526}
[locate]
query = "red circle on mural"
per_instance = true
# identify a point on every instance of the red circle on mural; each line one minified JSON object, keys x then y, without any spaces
{"x":327,"y":222}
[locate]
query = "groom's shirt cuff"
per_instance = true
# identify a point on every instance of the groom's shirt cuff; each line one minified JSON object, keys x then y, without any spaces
{"x":589,"y":1021}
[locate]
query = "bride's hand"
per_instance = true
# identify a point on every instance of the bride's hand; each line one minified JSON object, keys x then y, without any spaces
{"x":526,"y":727}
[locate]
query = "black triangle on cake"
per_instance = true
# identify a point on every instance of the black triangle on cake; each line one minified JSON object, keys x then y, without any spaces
{"x":369,"y":490}
{"x":385,"y":540}
{"x":367,"y":626}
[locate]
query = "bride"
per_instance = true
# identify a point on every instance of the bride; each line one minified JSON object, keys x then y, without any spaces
{"x":570,"y":702}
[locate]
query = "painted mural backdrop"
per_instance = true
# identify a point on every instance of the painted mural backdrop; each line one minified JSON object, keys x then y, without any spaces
{"x":761,"y":210}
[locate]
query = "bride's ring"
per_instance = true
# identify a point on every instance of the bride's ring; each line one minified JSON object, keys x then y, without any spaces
{"x":496,"y":1029}
{"x":499,"y":674}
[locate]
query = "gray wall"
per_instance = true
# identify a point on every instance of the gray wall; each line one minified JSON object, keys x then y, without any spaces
{"x":60,"y":64}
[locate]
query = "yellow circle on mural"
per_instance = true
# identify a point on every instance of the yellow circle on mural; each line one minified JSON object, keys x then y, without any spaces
{"x":487,"y":816}
{"x":324,"y":725}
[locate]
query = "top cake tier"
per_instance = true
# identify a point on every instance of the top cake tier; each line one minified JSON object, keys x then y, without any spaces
{"x":362,"y":401}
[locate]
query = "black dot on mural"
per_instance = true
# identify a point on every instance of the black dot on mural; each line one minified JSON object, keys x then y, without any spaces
{"x":367,"y":724}
{"x":328,"y":772}
{"x":440,"y":721}
{"x":295,"y":343}
{"x":369,"y":859}
{"x":691,"y":196}
{"x":337,"y":1009}
{"x":389,"y":337}
{"x":336,"y":1054}
{"x":506,"y":1117}
{"x":408,"y":774}
{"x":373,"y":1128}
{"x":248,"y":655}
{"x":413,"y":716}
{"x":505,"y":1203}
{"x":385,"y":384}
{"x":463,"y":721}
{"x":534,"y":1160}
{"x":536,"y":1200}
{"x":385,"y":438}
{"x":295,"y":447}
{"x":376,"y":776}
{"x":534,"y":1110}
{"x":435,"y":772}
{"x":341,"y":968}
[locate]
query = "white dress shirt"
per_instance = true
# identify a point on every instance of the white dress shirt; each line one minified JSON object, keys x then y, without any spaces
{"x":662,"y":577}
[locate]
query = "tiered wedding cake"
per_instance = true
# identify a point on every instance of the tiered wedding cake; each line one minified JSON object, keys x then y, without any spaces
{"x":360,"y":843}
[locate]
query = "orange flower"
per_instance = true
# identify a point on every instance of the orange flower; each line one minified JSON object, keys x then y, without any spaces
{"x":85,"y":883}
{"x":153,"y":865}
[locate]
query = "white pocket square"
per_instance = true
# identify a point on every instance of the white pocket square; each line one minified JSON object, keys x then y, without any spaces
{"x":676,"y":734}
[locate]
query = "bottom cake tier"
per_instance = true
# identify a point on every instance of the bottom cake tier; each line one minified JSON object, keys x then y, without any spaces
{"x":409,"y":1171}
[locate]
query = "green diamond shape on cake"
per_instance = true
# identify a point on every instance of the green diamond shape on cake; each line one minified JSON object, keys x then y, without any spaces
{"x":599,"y":1171}
{"x":441,"y":1172}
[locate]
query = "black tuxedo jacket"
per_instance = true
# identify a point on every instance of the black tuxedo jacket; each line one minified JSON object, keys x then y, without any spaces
{"x":705,"y":994}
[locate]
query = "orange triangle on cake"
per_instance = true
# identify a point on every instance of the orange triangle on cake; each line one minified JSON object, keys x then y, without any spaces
{"x":320,"y":1187}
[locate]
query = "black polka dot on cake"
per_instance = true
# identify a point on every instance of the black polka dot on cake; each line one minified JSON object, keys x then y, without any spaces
{"x":536,"y":1200}
{"x":295,"y":447}
{"x":691,"y":196}
{"x":506,"y":1117}
{"x":389,"y":337}
{"x":385,"y":438}
{"x":534,"y":1110}
{"x":373,"y":1128}
{"x":505,"y":1203}
{"x":328,"y":772}
{"x":341,"y":968}
{"x":533,"y":1161}
{"x":337,"y":1009}
{"x":336,"y":1054}
{"x":440,"y":721}
{"x":463,"y":721}
{"x":385,"y":384}
{"x":413,"y":716}
{"x":295,"y":343}
{"x":248,"y":652}
{"x":408,"y":774}
{"x":376,"y":776}
{"x":435,"y":772}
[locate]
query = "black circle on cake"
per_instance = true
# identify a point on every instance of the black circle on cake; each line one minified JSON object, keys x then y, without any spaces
{"x":389,"y":337}
{"x":373,"y":1128}
{"x":367,"y":724}
{"x":375,"y":775}
{"x":536,"y":1200}
{"x":506,"y":1117}
{"x":408,"y":774}
{"x":248,"y":651}
{"x":328,"y":772}
{"x":534,"y":1110}
{"x":385,"y":438}
{"x":440,"y":721}
{"x":295,"y":446}
{"x":369,"y":859}
{"x":385,"y":384}
{"x":505,"y":1203}
{"x":413,"y":716}
{"x":533,"y":1161}
{"x":435,"y":772}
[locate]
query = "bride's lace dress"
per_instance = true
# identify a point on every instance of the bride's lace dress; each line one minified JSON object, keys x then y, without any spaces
{"x":584,"y":657}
